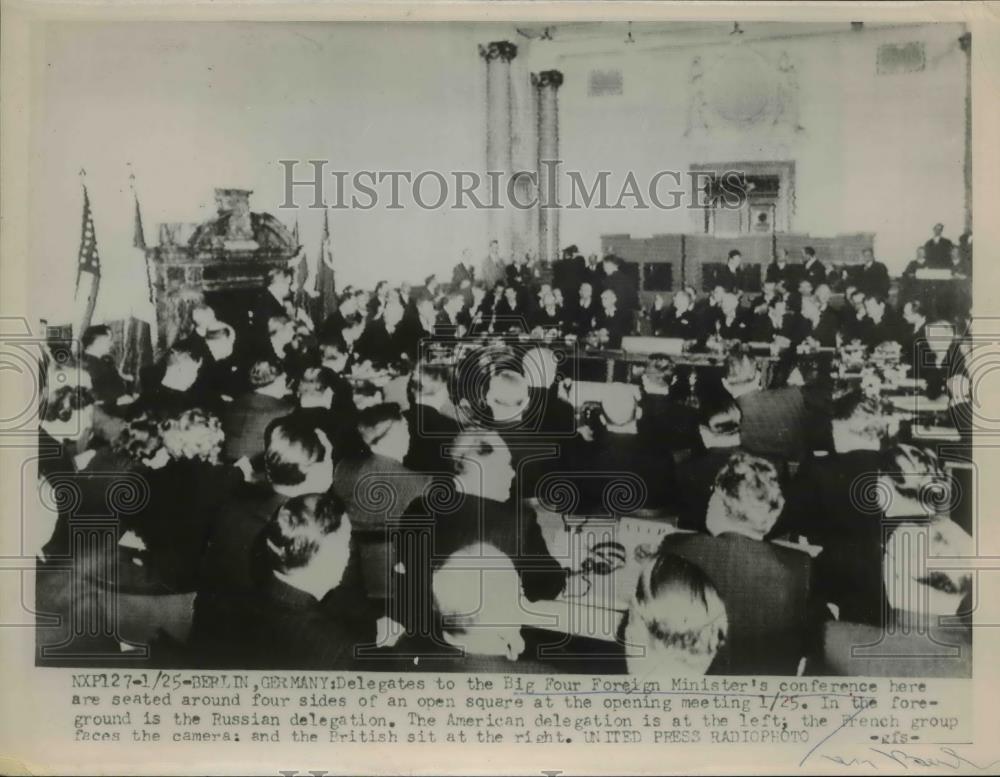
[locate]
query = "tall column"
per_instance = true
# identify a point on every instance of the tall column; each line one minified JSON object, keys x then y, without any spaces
{"x":966,"y":43}
{"x":499,"y":99}
{"x":547,"y":85}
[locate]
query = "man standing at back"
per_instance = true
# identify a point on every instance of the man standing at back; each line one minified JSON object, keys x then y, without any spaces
{"x":938,"y":249}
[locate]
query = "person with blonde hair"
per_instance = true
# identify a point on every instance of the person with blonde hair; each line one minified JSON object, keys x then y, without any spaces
{"x":676,"y":622}
{"x":766,"y":587}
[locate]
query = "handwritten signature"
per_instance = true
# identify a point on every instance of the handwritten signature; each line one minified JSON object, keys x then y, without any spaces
{"x":944,"y":758}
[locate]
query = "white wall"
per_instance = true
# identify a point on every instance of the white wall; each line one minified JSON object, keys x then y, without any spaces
{"x":878,"y":153}
{"x":194,"y":107}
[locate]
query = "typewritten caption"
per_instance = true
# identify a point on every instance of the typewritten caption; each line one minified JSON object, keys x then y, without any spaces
{"x":866,"y":723}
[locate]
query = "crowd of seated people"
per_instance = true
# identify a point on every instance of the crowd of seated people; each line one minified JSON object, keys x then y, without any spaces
{"x":314,"y":494}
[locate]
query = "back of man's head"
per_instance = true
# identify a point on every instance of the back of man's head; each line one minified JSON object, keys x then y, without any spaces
{"x":477,"y":593}
{"x":858,"y":423}
{"x":677,"y":618}
{"x":293,"y":447}
{"x":746,"y":496}
{"x":300,"y":527}
{"x":742,"y":373}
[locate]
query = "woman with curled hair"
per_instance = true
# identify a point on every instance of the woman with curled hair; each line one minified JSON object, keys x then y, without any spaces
{"x":178,"y":460}
{"x":747,"y":495}
{"x":676,"y":622}
{"x":193,"y":434}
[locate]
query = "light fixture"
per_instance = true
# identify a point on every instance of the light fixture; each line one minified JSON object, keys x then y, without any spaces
{"x":737,"y":30}
{"x":629,"y":38}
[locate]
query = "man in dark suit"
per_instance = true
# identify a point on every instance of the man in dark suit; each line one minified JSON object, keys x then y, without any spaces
{"x":916,"y":351}
{"x":106,"y":382}
{"x":828,"y":324}
{"x":774,"y":420}
{"x":220,"y":374}
{"x":298,"y":460}
{"x":813,"y":270}
{"x":430,"y":430}
{"x":732,"y":324}
{"x":270,"y":302}
{"x":680,"y":321}
{"x":585,"y":310}
{"x":938,"y":249}
{"x":830,"y":503}
{"x":720,"y":436}
{"x":781,"y":271}
{"x":665,"y":423}
{"x":624,"y":286}
{"x":298,"y":614}
{"x":464,"y":274}
{"x":613,"y":320}
{"x":472,"y":506}
{"x":175,"y":391}
{"x":730,"y":277}
{"x":871,"y":277}
{"x":883,"y":326}
{"x":766,"y":588}
{"x":249,"y":414}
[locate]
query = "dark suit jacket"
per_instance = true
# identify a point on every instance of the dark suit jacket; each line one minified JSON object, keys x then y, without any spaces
{"x":618,"y":325}
{"x":684,"y":326}
{"x":814,"y":272}
{"x":363,"y":482}
{"x":767,"y":593}
{"x":431,"y":530}
{"x":737,"y":329}
{"x":460,"y":274}
{"x":695,"y":481}
{"x":938,"y":254}
{"x":278,"y":626}
{"x":774,"y":422}
{"x":107,"y":384}
{"x":583,"y":317}
{"x":825,"y":331}
{"x":430,"y":433}
{"x":824,"y":503}
{"x":667,"y":425}
{"x":872,"y":279}
{"x":777,"y":274}
{"x":245,"y":419}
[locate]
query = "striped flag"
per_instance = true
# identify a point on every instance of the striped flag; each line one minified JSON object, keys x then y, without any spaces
{"x":88,"y":269}
{"x":326,"y":284}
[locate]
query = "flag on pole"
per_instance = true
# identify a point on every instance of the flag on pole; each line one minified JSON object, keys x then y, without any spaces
{"x":326,"y":285}
{"x":137,"y":345}
{"x":301,"y":272}
{"x":88,"y":267}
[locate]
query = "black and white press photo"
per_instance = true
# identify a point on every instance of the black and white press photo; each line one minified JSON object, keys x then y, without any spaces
{"x":631,"y":359}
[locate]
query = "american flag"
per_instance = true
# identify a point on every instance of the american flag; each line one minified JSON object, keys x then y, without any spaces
{"x":88,"y":268}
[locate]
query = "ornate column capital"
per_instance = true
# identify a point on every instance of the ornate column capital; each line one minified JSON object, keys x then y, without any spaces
{"x":503,"y":50}
{"x":546,"y":78}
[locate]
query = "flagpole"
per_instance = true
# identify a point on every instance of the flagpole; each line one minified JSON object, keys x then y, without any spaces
{"x":88,"y":244}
